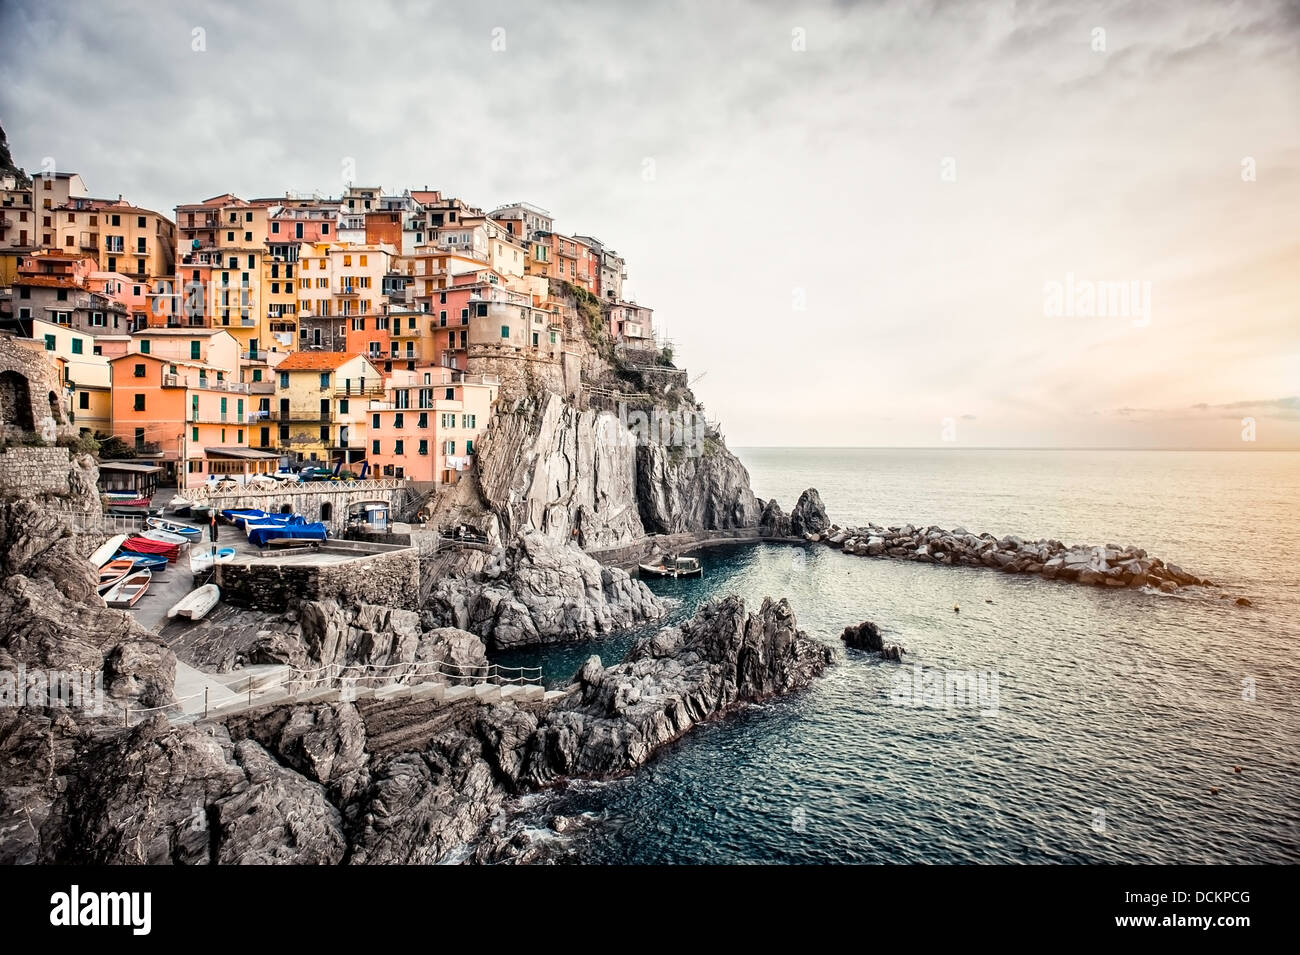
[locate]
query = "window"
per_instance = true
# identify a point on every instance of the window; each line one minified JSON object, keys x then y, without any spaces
{"x":448,"y":420}
{"x":343,"y":406}
{"x":424,"y":446}
{"x":239,"y":436}
{"x":464,"y":316}
{"x":194,"y":350}
{"x":423,"y":421}
{"x":467,"y":420}
{"x":194,"y":434}
{"x":374,"y":445}
{"x":469,"y":446}
{"x":402,"y":399}
{"x":115,"y":220}
{"x":97,"y":319}
{"x":49,"y":343}
{"x":505,"y":331}
{"x":144,"y":346}
{"x":399,"y":420}
{"x":83,"y":400}
{"x":324,"y":381}
{"x":257,"y":374}
{"x":399,"y":447}
{"x":442,"y":318}
{"x":139,"y":402}
{"x":374,"y":421}
{"x":77,"y":346}
{"x":450,"y":394}
{"x":139,"y":371}
{"x":62,"y":295}
{"x":284,"y":379}
{"x":139,"y":222}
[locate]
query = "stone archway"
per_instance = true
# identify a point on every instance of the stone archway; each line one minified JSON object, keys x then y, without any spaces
{"x":15,"y":402}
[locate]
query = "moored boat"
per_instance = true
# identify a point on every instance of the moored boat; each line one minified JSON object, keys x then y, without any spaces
{"x":172,"y":527}
{"x":196,"y":603}
{"x":114,"y":571}
{"x":673,"y":566}
{"x":201,"y":560}
{"x":106,"y":551}
{"x":128,"y":591}
{"x":300,"y":530}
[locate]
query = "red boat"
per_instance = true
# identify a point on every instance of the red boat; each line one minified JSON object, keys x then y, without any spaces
{"x":143,"y":545}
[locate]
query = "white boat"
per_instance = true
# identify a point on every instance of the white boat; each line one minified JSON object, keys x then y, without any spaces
{"x":174,"y":527}
{"x":105,"y":553}
{"x":201,"y":560}
{"x":673,"y":566}
{"x":165,"y":537}
{"x":195,"y":604}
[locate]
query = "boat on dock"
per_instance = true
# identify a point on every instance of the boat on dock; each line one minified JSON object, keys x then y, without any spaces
{"x":148,"y":545}
{"x":673,"y":566}
{"x":259,"y":535}
{"x":172,"y":527}
{"x":195,"y":604}
{"x":153,"y":562}
{"x":107,"y":550}
{"x":201,"y":560}
{"x":128,"y":591}
{"x":114,"y":571}
{"x":164,"y":537}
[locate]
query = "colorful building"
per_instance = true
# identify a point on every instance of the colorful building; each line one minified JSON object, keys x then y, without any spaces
{"x":428,"y":423}
{"x":320,"y":409}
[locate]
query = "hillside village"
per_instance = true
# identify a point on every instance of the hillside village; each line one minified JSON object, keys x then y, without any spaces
{"x":370,"y":333}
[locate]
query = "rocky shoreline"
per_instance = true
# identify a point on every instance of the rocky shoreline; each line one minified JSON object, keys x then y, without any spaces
{"x":1108,"y":565}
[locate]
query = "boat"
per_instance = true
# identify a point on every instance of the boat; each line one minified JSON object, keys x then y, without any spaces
{"x":147,"y":545}
{"x":195,"y":604}
{"x":114,"y":571}
{"x":673,"y":566}
{"x":200,"y":512}
{"x":239,"y":515}
{"x":171,"y":527}
{"x":296,"y":531}
{"x":154,"y":562}
{"x":165,"y":537}
{"x":179,"y":506}
{"x":128,"y":591}
{"x":201,"y":561}
{"x":107,"y":550}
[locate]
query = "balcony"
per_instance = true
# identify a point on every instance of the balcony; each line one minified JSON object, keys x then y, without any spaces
{"x":370,"y":391}
{"x":233,"y":387}
{"x":350,"y":291}
{"x":303,"y":415}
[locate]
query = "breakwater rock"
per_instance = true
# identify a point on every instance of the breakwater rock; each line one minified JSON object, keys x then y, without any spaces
{"x":867,"y":636}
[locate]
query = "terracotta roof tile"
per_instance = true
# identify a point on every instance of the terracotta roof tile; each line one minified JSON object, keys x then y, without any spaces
{"x":316,"y":360}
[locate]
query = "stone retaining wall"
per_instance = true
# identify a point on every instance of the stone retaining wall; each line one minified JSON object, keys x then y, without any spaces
{"x":390,"y":578}
{"x":30,"y":472}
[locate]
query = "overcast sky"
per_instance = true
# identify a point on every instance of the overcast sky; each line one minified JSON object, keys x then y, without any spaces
{"x":847,"y":216}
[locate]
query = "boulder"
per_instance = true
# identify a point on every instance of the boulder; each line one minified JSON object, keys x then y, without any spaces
{"x":809,"y":515}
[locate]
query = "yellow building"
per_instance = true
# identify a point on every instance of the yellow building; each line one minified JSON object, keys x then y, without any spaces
{"x":123,"y":238}
{"x":320,"y":407}
{"x":86,"y":375}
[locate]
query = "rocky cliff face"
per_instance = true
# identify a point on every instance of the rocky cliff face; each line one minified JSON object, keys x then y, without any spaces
{"x":538,"y":592}
{"x":679,"y":491}
{"x":374,"y":781}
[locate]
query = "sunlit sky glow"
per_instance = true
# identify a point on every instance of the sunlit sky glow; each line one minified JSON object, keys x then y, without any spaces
{"x":780,"y":176}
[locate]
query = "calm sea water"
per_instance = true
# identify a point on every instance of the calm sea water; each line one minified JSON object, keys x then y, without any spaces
{"x":1116,"y":713}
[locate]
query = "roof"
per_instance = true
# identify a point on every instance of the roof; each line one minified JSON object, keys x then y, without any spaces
{"x":317,"y":360}
{"x":235,"y":451}
{"x":129,"y":466}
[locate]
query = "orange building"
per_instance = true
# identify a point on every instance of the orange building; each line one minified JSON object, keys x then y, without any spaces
{"x":175,"y":410}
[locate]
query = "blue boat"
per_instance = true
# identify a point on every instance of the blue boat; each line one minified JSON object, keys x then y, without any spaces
{"x":300,"y":530}
{"x":239,"y":515}
{"x":154,"y":562}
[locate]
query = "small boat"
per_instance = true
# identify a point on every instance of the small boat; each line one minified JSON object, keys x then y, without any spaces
{"x":171,"y":527}
{"x":154,"y":562}
{"x":147,"y":545}
{"x":165,"y":537}
{"x":106,"y":551}
{"x":196,"y":603}
{"x":673,"y":566}
{"x":200,"y":512}
{"x":128,"y":591}
{"x":296,"y":530}
{"x":240,"y":515}
{"x":201,"y":561}
{"x":114,"y":571}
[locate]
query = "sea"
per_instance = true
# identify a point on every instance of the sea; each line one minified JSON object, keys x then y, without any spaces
{"x":1030,"y":721}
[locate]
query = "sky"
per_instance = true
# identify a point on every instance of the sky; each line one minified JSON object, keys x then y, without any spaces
{"x":860,"y":224}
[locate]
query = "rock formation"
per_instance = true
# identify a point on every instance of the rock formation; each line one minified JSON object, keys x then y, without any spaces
{"x":772,"y":521}
{"x":809,"y":515}
{"x":374,"y":781}
{"x":866,"y":636}
{"x":539,"y":592}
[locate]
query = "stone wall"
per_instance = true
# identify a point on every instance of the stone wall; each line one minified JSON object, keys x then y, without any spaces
{"x":30,"y":472}
{"x":522,"y":374}
{"x":308,"y":499}
{"x":31,"y":395}
{"x":390,"y":578}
